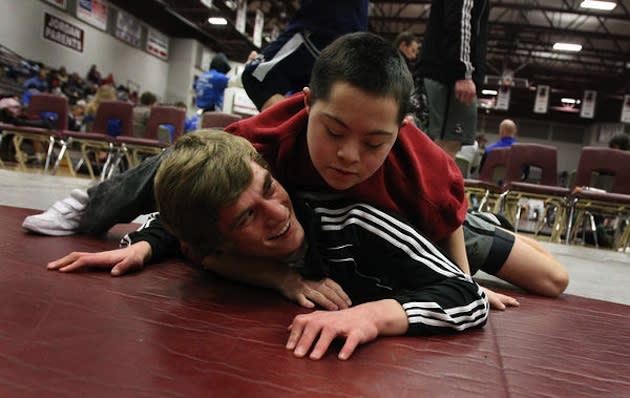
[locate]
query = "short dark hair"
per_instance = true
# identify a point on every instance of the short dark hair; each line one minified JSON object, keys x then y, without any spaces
{"x":405,"y":37}
{"x":619,"y":141}
{"x":366,"y":61}
{"x":148,"y":98}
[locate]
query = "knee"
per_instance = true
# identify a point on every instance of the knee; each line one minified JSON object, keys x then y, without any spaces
{"x":557,"y":283}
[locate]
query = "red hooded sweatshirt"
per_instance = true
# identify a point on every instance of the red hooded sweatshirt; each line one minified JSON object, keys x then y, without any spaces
{"x":418,"y":179}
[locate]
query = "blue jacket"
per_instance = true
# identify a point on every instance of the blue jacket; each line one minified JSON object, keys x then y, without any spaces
{"x":209,"y":89}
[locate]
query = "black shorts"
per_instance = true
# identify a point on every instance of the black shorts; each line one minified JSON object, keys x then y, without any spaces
{"x":487,"y":245}
{"x":284,"y":66}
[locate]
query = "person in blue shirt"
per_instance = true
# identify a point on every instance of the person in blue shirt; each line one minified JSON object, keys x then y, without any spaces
{"x":209,"y":87}
{"x":507,"y":136}
{"x":36,"y":84}
{"x":284,"y":66}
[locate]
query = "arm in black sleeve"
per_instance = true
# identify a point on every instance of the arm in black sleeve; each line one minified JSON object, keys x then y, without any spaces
{"x":163,"y":244}
{"x":458,"y":27}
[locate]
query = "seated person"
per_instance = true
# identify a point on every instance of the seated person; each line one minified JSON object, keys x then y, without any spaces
{"x":401,"y":282}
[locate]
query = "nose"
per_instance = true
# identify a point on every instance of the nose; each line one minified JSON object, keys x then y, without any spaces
{"x":274,"y":212}
{"x":348,"y":151}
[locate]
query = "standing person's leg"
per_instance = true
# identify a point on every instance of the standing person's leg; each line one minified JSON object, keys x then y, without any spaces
{"x":451,"y":122}
{"x":283,"y":68}
{"x":119,"y":199}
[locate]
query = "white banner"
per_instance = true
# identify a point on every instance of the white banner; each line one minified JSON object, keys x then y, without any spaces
{"x":157,"y":44}
{"x":587,"y":110}
{"x":58,"y":3}
{"x":93,"y":12}
{"x":541,"y":103}
{"x":503,"y":98}
{"x":128,"y":28}
{"x":241,"y":15}
{"x":625,"y":109}
{"x":258,"y":28}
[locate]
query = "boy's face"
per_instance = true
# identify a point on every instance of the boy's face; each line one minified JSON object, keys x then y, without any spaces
{"x":261,"y":222}
{"x":350,"y":134}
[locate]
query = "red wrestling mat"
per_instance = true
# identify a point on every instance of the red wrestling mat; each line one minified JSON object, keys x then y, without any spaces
{"x":179,"y":332}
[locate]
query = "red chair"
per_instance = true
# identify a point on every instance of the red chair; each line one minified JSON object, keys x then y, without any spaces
{"x":529,"y":157}
{"x":585,"y":200}
{"x":39,"y":104}
{"x":488,"y":185}
{"x":215,"y":119}
{"x":98,"y":139}
{"x":151,"y":143}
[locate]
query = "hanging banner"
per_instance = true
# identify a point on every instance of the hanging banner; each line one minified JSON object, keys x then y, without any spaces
{"x":59,"y":3}
{"x":241,"y":15}
{"x":258,"y":28}
{"x":587,"y":110}
{"x":128,"y":28}
{"x":541,"y":103}
{"x":157,"y":44}
{"x":93,"y":12}
{"x":503,"y":98}
{"x":625,"y":109}
{"x":62,"y":32}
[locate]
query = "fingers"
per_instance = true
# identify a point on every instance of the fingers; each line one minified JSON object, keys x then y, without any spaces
{"x":348,"y":348}
{"x":325,"y":338}
{"x":321,"y":300}
{"x":304,"y":302}
{"x":338,"y":295}
{"x":68,"y":259}
{"x":125,"y":267}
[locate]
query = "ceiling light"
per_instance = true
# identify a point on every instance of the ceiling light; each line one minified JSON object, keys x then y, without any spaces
{"x":217,"y":21}
{"x":568,"y":100}
{"x":567,"y":47}
{"x":489,"y":92}
{"x":599,"y":5}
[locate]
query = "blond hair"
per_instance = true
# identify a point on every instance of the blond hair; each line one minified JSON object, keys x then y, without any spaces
{"x":206,"y":171}
{"x":106,"y":92}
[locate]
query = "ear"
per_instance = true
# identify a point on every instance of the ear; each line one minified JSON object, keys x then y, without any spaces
{"x":307,"y":99}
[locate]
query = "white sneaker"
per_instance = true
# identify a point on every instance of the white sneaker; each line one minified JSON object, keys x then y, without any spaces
{"x":62,"y":218}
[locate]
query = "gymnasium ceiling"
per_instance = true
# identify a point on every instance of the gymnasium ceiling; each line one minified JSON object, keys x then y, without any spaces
{"x":521,"y":35}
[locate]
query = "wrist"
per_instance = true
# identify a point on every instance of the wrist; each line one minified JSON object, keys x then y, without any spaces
{"x":388,"y":316}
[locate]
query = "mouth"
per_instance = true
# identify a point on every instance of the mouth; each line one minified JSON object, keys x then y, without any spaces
{"x":283,"y":231}
{"x":344,"y":172}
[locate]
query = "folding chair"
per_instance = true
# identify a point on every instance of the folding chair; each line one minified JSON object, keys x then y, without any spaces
{"x":42,"y":103}
{"x":108,"y":114}
{"x":488,"y":185}
{"x":527,"y":157}
{"x":215,"y":119}
{"x":585,"y":200}
{"x":150,"y":144}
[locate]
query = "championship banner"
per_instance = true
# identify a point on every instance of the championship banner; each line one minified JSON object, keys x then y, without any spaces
{"x":541,"y":103}
{"x":59,"y":3}
{"x":63,"y":33}
{"x":587,"y":110}
{"x":258,"y":28}
{"x":157,"y":44}
{"x":503,"y":98}
{"x":93,"y":12}
{"x":241,"y":15}
{"x":128,"y":28}
{"x":625,"y":109}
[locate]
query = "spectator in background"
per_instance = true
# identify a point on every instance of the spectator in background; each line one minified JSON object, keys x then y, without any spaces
{"x":104,"y":93}
{"x":192,"y":122}
{"x":36,"y":84}
{"x":210,"y":86}
{"x":507,"y":135}
{"x":469,"y":156}
{"x":619,"y":141}
{"x":141,"y":113}
{"x":284,"y":66}
{"x":452,"y":66}
{"x":94,"y":76}
{"x":407,"y":44}
{"x":73,"y":88}
{"x":62,"y":74}
{"x":76,"y":116}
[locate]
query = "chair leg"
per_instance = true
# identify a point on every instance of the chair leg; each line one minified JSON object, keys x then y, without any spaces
{"x":49,"y":152}
{"x":591,"y":221}
{"x":86,"y":160}
{"x":20,"y":156}
{"x":624,"y":240}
